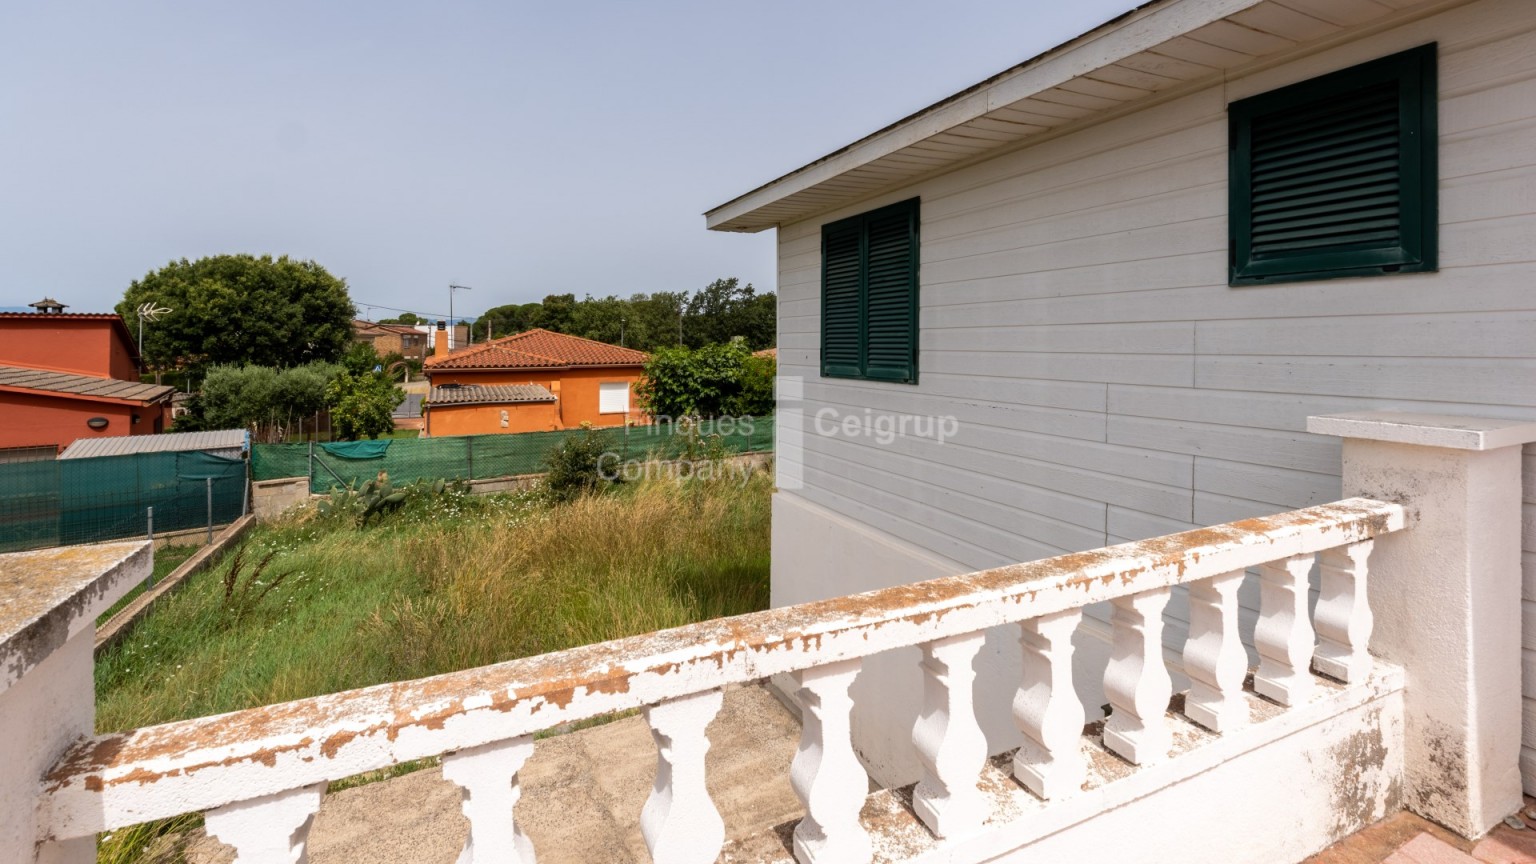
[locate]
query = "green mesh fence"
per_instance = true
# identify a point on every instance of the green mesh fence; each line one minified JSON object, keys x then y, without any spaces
{"x":478,"y":457}
{"x":67,"y":501}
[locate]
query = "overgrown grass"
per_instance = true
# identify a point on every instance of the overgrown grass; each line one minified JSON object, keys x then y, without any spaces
{"x":450,"y":582}
{"x":167,"y":558}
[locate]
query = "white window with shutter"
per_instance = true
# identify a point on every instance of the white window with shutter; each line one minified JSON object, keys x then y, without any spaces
{"x":613,"y":397}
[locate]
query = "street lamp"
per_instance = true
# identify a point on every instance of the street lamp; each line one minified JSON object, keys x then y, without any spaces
{"x":453,"y":325}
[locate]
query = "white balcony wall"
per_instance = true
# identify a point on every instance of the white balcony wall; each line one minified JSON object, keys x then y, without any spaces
{"x":1110,"y":385}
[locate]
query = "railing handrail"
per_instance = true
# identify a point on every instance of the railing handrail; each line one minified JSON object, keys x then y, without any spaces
{"x":160,"y":771}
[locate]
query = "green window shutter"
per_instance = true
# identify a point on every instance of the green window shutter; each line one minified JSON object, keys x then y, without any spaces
{"x":869,"y":295}
{"x":842,"y":315}
{"x":1336,"y":176}
{"x":890,"y":352}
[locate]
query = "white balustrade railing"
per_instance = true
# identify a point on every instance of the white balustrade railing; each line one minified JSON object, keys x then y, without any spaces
{"x":259,"y":774}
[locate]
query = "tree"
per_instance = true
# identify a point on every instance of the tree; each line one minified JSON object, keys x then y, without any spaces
{"x":241,"y":309}
{"x":267,"y":401}
{"x":404,"y":318}
{"x":715,"y":380}
{"x":362,"y":405}
{"x":724,"y":310}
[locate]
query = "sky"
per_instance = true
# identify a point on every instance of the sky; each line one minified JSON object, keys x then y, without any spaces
{"x":521,"y":149}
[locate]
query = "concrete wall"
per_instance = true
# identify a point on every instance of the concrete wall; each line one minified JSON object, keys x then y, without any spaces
{"x":270,"y":498}
{"x":1109,"y":385}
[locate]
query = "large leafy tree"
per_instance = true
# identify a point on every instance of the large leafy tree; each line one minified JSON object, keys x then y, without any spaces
{"x":715,"y":380}
{"x":241,"y":309}
{"x":361,"y":405}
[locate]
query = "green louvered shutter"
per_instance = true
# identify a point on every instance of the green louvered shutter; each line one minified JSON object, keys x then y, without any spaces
{"x":1336,"y":176}
{"x":890,"y":352}
{"x":842,"y":314}
{"x":869,"y":295}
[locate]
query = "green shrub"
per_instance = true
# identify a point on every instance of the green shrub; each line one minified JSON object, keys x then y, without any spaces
{"x":712,"y":381}
{"x":576,"y":466}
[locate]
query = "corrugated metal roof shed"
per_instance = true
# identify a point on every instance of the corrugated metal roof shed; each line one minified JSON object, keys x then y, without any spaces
{"x":224,"y":442}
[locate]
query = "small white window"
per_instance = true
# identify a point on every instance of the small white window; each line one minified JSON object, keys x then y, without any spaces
{"x":613,"y":397}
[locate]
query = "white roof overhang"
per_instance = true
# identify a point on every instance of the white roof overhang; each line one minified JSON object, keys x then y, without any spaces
{"x":1161,"y":47}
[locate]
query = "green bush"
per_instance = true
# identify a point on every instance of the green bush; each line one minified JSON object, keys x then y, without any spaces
{"x":712,"y":381}
{"x":576,"y":466}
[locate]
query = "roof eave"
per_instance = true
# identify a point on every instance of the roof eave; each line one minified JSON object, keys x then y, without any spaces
{"x":1139,"y":30}
{"x":63,"y":394}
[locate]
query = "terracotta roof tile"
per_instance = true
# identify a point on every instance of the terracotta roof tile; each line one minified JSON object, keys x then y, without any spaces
{"x":538,"y":349}
{"x":477,"y":394}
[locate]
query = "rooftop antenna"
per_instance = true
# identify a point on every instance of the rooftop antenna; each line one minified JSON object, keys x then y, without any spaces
{"x":151,"y":313}
{"x":453,"y":323}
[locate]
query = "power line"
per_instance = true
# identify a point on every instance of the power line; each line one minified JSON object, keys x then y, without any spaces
{"x":393,"y":309}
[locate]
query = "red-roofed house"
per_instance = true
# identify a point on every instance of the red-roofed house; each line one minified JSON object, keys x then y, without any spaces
{"x":67,"y":376}
{"x":534,"y":381}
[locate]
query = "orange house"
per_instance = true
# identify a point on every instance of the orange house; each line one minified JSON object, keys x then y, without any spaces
{"x":533,"y":382}
{"x":66,"y":376}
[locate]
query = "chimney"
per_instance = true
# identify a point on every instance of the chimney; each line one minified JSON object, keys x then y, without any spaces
{"x":440,"y":339}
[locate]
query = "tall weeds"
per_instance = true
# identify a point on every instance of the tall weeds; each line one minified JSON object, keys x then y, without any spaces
{"x":449,"y":583}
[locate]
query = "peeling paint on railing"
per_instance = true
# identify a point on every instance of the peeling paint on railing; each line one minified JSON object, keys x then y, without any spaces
{"x":161,"y":771}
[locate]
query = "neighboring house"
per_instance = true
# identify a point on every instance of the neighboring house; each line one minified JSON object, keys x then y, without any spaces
{"x":1128,"y":270}
{"x":65,"y":376}
{"x":535,"y":381}
{"x":387,"y":339}
{"x":457,"y":337}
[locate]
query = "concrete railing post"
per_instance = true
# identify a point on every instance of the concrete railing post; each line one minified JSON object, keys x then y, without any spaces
{"x":47,"y":685}
{"x":1445,"y":595}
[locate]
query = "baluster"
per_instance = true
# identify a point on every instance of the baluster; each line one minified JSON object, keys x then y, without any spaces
{"x":680,"y":822}
{"x":1136,"y":682}
{"x":487,"y":776}
{"x":949,"y":741}
{"x":1046,"y":709}
{"x":826,"y":774}
{"x":1343,"y":615}
{"x":1214,"y":657}
{"x":272,"y":829}
{"x":1283,"y":636}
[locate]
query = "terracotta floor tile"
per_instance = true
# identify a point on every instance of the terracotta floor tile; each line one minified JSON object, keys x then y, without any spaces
{"x":1507,"y":847}
{"x":1425,"y":849}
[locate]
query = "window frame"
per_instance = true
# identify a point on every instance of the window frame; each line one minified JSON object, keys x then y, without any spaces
{"x":627,"y":395}
{"x":1416,"y":74}
{"x":912,"y":208}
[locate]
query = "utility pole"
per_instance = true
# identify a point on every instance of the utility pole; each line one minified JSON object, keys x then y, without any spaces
{"x":453,"y":324}
{"x":622,"y":321}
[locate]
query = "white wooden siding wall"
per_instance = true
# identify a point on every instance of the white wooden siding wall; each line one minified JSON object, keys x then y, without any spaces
{"x":1110,"y":386}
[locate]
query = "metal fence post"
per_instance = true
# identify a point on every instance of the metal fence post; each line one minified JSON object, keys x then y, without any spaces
{"x":149,"y":529}
{"x":469,"y":455}
{"x":245,"y":490}
{"x":311,"y":467}
{"x":209,"y":482}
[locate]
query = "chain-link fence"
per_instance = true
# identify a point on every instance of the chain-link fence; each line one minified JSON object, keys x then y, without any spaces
{"x":479,"y":457}
{"x":61,"y":502}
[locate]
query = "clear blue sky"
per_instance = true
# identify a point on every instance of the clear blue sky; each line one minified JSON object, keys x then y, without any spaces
{"x":522,"y":149}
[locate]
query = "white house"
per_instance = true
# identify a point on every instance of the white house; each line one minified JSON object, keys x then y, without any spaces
{"x":1216,"y":259}
{"x":1122,"y":275}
